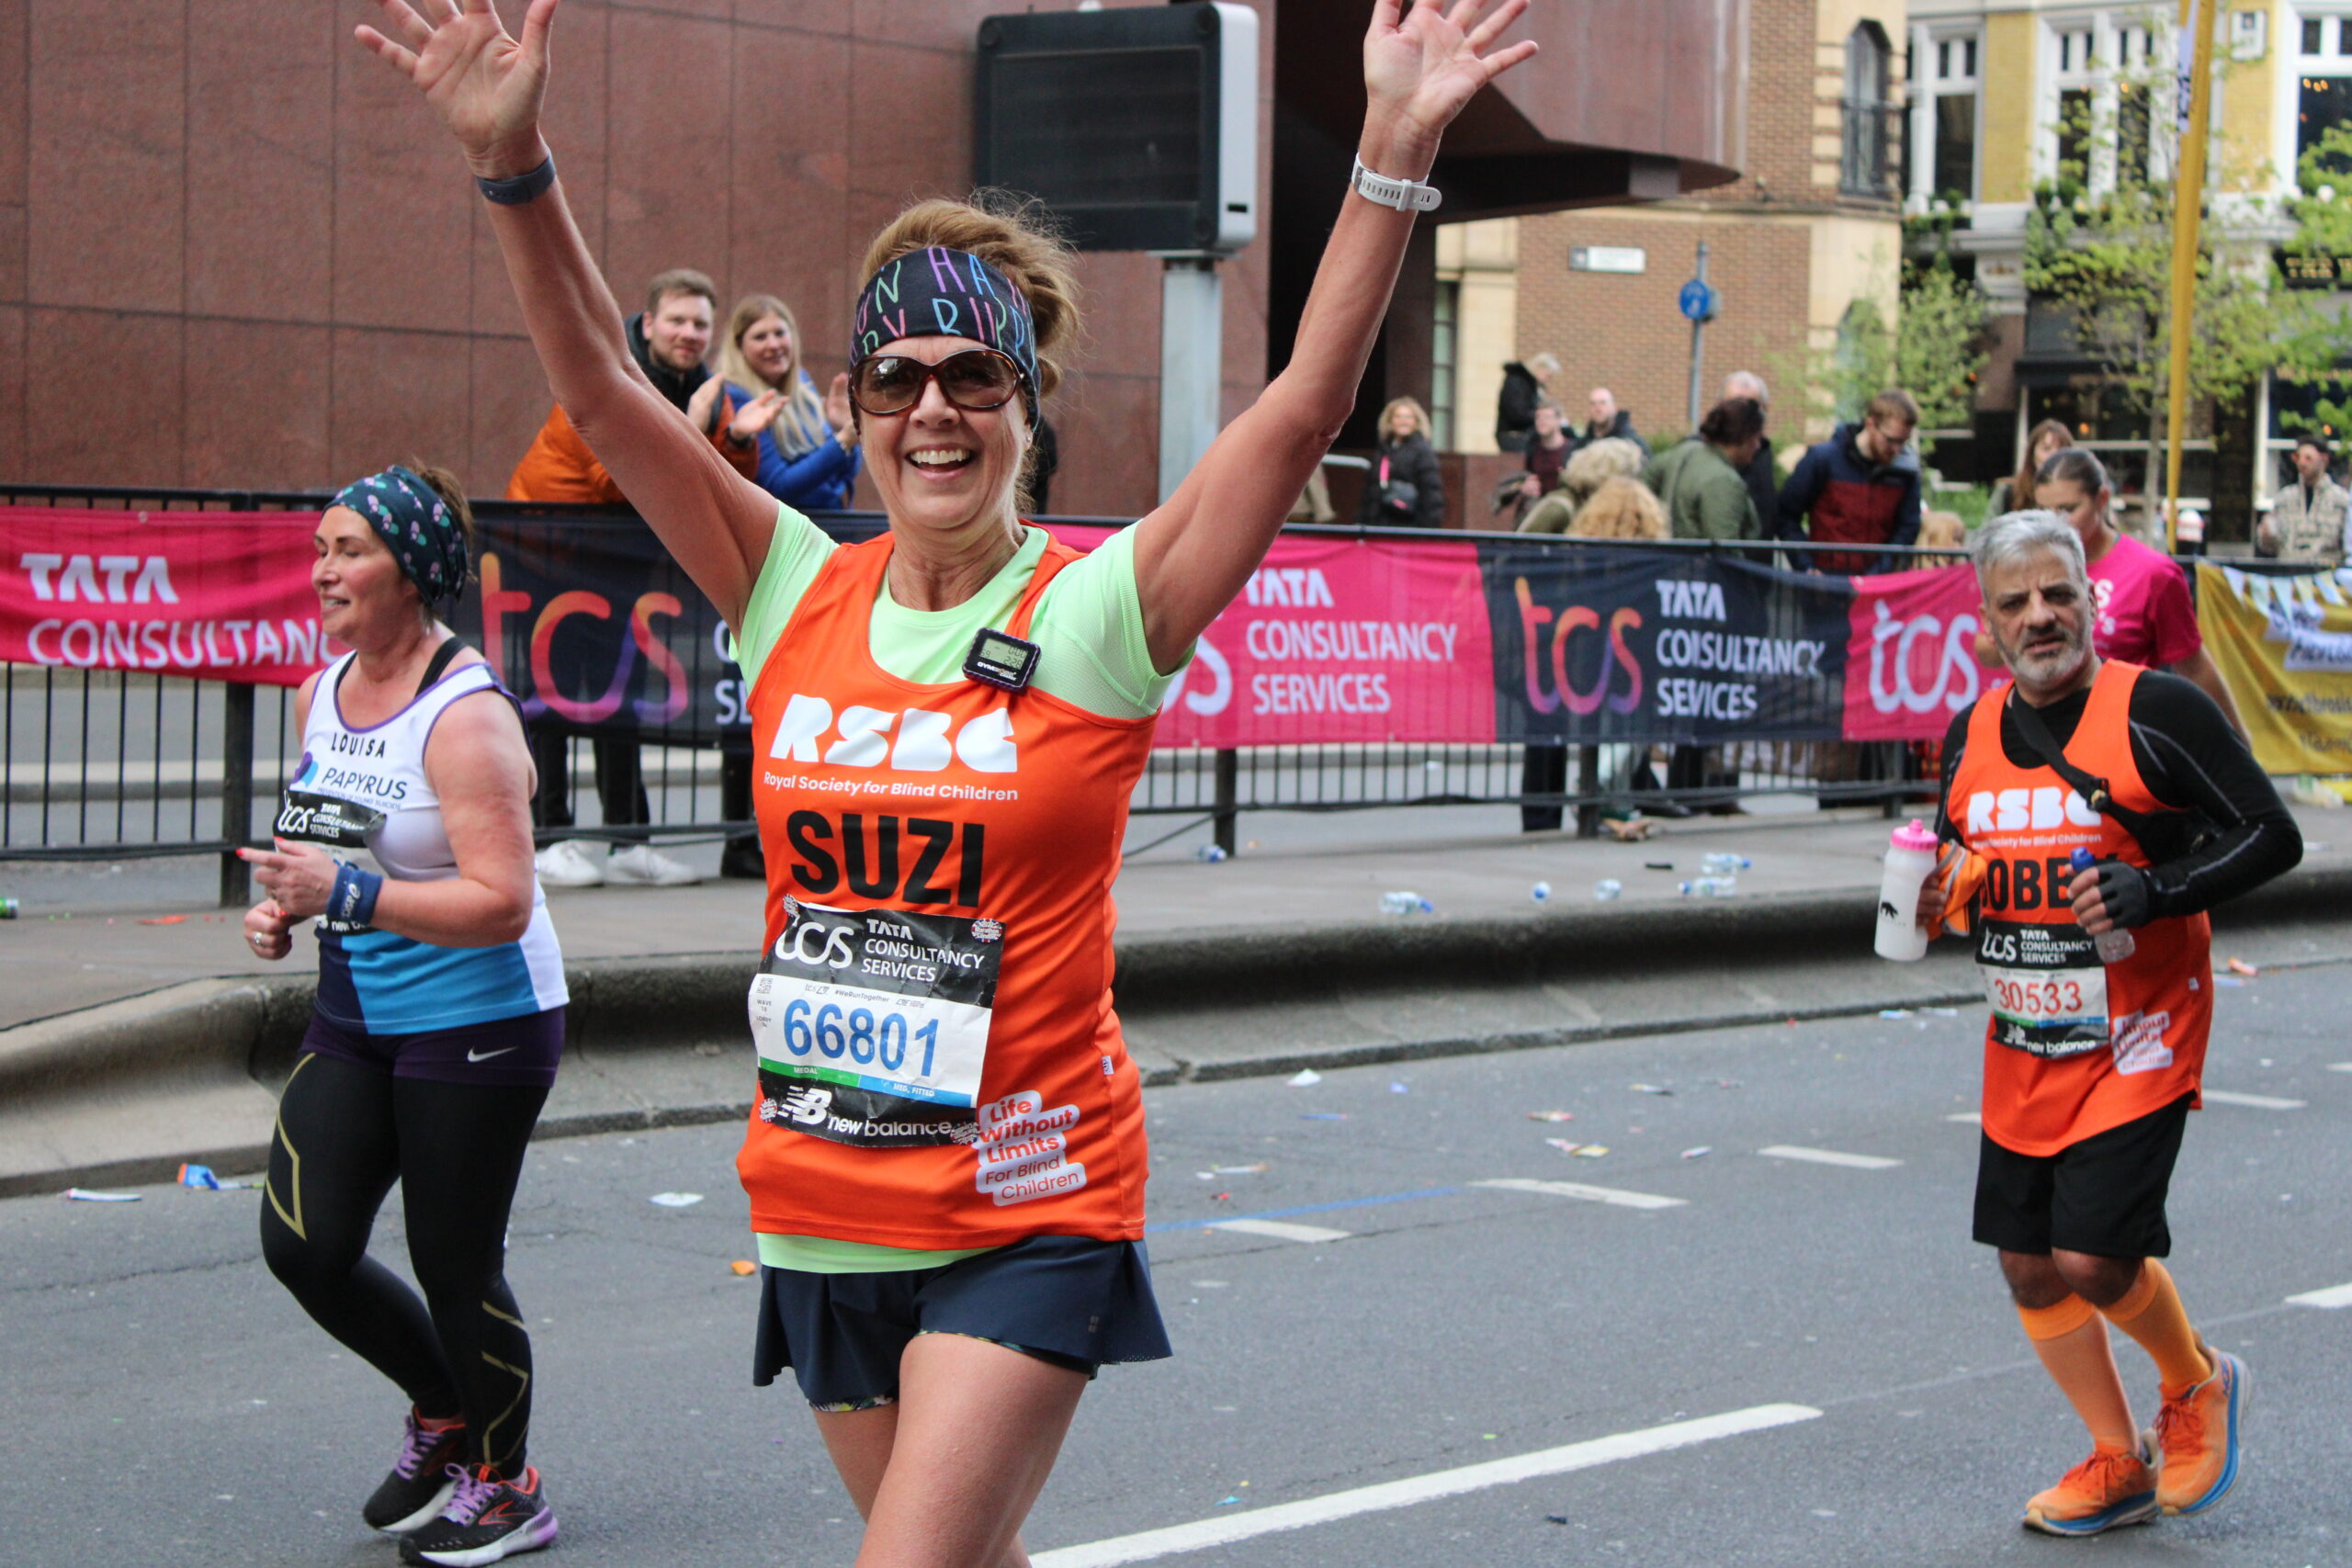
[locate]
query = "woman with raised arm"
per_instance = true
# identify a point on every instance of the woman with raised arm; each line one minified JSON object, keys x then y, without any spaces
{"x":946,"y":1165}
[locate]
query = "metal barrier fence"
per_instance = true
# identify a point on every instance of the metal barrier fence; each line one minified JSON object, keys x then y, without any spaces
{"x":105,"y":764}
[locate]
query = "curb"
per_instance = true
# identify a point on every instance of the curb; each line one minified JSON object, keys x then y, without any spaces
{"x":200,"y":1061}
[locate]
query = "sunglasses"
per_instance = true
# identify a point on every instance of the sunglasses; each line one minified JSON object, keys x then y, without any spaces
{"x":976,"y":379}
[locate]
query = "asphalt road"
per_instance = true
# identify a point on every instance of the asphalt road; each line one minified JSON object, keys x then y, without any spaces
{"x":168,"y":1405}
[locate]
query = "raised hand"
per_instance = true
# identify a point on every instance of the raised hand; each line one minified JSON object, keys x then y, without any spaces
{"x":757,"y":415}
{"x":484,"y":83}
{"x":1423,"y":62}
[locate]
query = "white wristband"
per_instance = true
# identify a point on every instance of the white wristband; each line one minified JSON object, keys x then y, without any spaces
{"x":1405,"y":196}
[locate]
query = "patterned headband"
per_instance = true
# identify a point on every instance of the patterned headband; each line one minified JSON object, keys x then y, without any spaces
{"x":936,"y":292}
{"x":417,"y":526}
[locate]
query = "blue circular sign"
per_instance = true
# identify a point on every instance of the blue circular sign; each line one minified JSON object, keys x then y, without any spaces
{"x":1697,"y":301}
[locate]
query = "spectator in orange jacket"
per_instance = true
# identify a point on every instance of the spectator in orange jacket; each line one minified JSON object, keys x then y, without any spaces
{"x":668,"y":343}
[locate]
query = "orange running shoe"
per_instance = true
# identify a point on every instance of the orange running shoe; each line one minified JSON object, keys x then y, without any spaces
{"x":2197,"y":1434}
{"x":2106,"y":1491}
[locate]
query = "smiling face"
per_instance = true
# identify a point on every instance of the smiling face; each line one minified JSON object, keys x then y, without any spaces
{"x":362,"y":594}
{"x":767,"y":349}
{"x":677,"y":331}
{"x":2039,"y":612}
{"x":943,"y":470}
{"x":1402,"y":422}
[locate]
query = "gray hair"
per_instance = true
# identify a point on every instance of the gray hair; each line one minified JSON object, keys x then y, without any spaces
{"x":1543,"y":364}
{"x":1746,"y":384}
{"x":2016,"y":535}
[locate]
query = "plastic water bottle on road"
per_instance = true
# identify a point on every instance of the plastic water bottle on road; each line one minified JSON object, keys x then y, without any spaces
{"x":1607,"y":889}
{"x":1406,"y":904}
{"x":2113,"y":946}
{"x":1910,"y":856}
{"x":1724,"y":864}
{"x":1710,"y":886}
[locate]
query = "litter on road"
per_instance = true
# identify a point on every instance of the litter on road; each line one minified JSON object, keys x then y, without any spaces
{"x":1649,"y":1089}
{"x":675,"y":1200}
{"x":744,"y":1267}
{"x":1304,"y":1078}
{"x":1582,"y":1151}
{"x":1702,"y":1152}
{"x":85,"y":1195}
{"x":2240,"y":967}
{"x":1551,"y":1116}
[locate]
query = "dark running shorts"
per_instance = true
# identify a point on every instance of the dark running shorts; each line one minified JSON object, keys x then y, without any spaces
{"x":2104,"y":1196}
{"x":516,"y":1052}
{"x":1069,"y":1300}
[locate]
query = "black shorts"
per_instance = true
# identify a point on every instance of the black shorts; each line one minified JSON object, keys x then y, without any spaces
{"x":520,"y":1053}
{"x":1071,"y":1301}
{"x":2104,"y":1196}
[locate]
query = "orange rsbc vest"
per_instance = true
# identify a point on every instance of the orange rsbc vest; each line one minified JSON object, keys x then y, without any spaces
{"x":940,"y":1065}
{"x":2073,"y":1046}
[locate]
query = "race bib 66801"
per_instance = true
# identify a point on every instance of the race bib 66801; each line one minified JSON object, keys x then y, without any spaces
{"x":872,"y":1025}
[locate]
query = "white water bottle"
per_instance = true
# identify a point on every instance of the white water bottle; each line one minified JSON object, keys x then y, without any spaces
{"x":1910,"y":856}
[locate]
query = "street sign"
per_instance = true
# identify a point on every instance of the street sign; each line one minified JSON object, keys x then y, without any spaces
{"x":1697,"y":301}
{"x":1607,"y":258}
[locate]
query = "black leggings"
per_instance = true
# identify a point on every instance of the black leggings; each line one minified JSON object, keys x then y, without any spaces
{"x":342,"y":1129}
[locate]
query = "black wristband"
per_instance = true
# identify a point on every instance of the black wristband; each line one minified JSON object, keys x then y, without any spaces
{"x":519,"y":188}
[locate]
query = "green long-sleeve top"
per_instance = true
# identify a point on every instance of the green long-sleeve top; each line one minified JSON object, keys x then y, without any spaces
{"x":1703,"y":495}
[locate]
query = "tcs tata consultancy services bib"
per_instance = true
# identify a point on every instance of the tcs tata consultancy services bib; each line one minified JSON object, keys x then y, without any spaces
{"x":873,"y":1025}
{"x":2047,"y":986}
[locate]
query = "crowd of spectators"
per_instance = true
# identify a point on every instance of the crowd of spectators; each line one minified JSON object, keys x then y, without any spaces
{"x":766,"y":415}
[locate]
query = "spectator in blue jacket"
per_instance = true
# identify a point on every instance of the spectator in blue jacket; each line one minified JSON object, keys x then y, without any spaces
{"x":808,"y":457}
{"x":1862,"y":486}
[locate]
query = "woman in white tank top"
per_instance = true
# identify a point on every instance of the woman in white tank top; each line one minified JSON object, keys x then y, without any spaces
{"x":405,"y":833}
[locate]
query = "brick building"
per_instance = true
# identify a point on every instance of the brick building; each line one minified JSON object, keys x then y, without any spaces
{"x":237,"y":253}
{"x":1811,"y":228}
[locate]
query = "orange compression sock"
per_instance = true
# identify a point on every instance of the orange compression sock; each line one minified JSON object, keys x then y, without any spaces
{"x":2151,"y":1312}
{"x":2071,"y":1339}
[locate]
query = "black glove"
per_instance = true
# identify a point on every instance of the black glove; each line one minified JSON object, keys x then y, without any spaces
{"x":2123,"y":889}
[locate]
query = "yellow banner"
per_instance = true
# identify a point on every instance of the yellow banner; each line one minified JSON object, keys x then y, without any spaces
{"x":2284,"y":649}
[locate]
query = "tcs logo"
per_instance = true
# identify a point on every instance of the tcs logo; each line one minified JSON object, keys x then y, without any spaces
{"x":915,"y":741}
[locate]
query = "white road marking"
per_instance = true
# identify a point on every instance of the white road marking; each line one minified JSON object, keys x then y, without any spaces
{"x":1829,"y":1157}
{"x":1280,"y":1229}
{"x":2252,"y":1101}
{"x":1203,"y":1534}
{"x":1976,"y":1116}
{"x":1590,"y":1194}
{"x":2329,"y":1299}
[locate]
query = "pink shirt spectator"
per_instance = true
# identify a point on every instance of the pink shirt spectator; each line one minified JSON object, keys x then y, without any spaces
{"x":2144,"y":614}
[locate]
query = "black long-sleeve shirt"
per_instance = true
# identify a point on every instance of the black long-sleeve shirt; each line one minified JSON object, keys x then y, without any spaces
{"x":2191,"y":759}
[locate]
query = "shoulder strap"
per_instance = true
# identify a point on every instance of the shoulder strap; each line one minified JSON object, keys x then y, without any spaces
{"x":2092,"y":788}
{"x":443,"y":657}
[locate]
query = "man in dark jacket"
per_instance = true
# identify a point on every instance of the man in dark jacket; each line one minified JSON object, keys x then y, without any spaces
{"x":1862,"y":486}
{"x":1515,"y":405}
{"x":1761,"y":472}
{"x":1609,"y":419}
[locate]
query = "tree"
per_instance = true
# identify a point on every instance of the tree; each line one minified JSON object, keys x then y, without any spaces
{"x":2105,"y":261}
{"x":1934,"y":351}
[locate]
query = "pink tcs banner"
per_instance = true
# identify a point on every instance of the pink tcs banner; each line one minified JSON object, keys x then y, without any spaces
{"x":216,"y":595}
{"x":1911,"y":655}
{"x":1338,"y":641}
